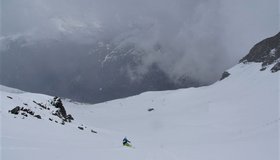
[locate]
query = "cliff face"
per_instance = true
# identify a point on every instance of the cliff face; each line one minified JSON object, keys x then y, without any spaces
{"x":266,"y":52}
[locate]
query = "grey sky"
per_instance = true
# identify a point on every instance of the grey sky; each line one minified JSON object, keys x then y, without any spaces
{"x":198,"y":38}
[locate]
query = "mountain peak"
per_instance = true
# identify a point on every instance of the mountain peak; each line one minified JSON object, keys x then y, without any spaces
{"x":266,"y":52}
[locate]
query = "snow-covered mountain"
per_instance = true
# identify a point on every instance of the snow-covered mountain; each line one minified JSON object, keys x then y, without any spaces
{"x":236,"y":118}
{"x":88,"y":72}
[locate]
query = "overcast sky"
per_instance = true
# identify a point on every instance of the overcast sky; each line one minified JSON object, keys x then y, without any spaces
{"x":199,"y":38}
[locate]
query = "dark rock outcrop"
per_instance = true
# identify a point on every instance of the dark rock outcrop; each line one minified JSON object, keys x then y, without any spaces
{"x":24,"y":112}
{"x":38,"y":116}
{"x":61,"y":112}
{"x":41,"y":105}
{"x":15,"y":110}
{"x":9,"y":97}
{"x":225,"y":75}
{"x":81,"y":128}
{"x":69,"y":117}
{"x":93,"y":131}
{"x":276,"y":67}
{"x":266,"y":52}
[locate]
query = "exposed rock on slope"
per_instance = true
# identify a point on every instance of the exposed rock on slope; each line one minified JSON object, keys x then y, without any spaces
{"x":225,"y":75}
{"x":51,"y":110}
{"x":266,"y":52}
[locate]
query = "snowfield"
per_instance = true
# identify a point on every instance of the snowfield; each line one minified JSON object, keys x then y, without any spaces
{"x":234,"y":119}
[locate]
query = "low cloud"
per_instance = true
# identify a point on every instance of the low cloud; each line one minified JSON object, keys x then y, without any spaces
{"x":195,"y":38}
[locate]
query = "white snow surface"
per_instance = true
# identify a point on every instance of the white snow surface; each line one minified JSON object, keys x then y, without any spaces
{"x":234,"y":119}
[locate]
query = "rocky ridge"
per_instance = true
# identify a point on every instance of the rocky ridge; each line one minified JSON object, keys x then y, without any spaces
{"x":266,"y":52}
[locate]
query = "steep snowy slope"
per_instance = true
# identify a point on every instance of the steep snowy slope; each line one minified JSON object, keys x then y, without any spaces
{"x":236,"y":118}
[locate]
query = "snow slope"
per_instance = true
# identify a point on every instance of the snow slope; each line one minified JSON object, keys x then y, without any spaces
{"x":234,"y":119}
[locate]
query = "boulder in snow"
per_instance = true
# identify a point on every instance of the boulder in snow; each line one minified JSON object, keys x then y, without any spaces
{"x":15,"y":110}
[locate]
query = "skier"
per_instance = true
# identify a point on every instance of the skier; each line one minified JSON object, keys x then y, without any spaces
{"x":126,"y":142}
